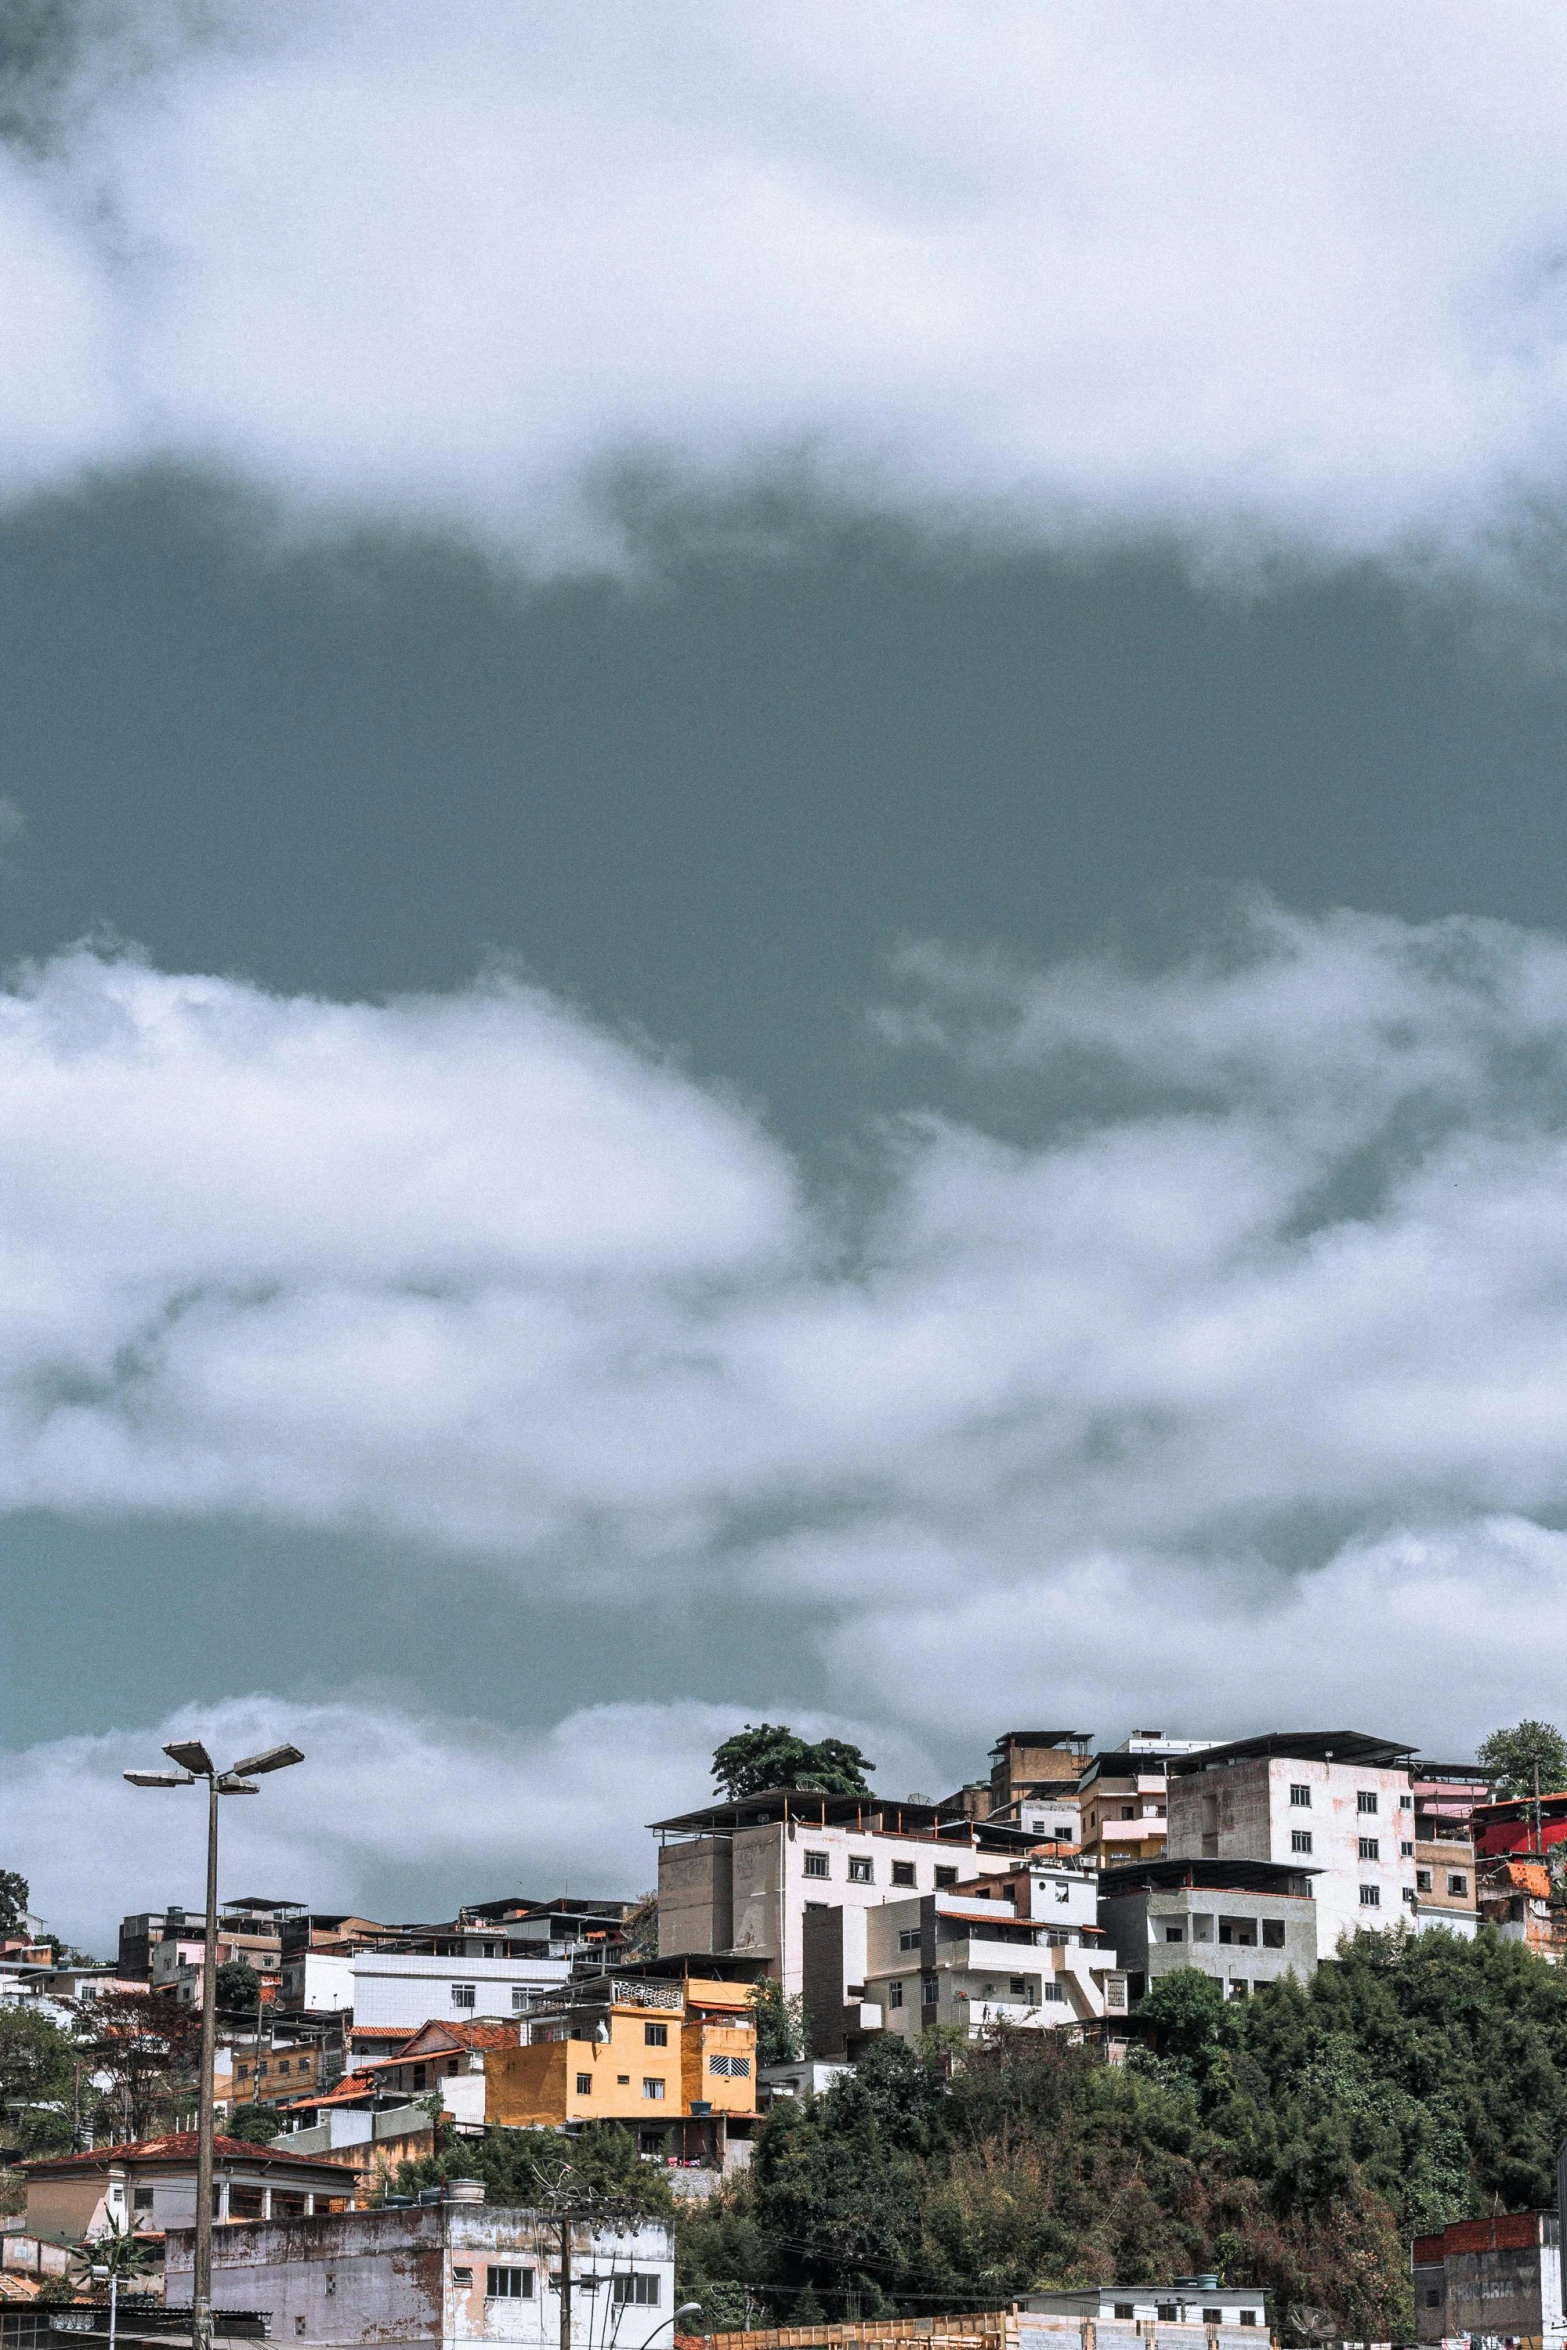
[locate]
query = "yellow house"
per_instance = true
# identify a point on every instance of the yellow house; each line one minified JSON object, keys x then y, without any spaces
{"x":674,"y":2060}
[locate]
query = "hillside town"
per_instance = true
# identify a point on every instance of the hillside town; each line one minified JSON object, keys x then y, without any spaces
{"x":803,"y":1933}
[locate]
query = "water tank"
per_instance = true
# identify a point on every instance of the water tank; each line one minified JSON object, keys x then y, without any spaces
{"x":465,"y":2190}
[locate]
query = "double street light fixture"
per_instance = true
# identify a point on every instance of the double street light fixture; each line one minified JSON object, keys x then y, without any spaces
{"x":196,"y":1763}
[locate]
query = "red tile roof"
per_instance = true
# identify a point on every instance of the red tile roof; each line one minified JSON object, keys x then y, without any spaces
{"x":179,"y":2146}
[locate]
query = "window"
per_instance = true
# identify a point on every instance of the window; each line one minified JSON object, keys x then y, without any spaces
{"x":1422,"y":1880}
{"x":1300,"y":1839}
{"x":1167,"y":2312}
{"x":1175,"y":1933}
{"x":1371,"y":1897}
{"x":1019,"y":1986}
{"x":816,"y":1864}
{"x":1458,"y":1884}
{"x":283,"y":2067}
{"x":903,"y":1872}
{"x":519,"y":1999}
{"x":1055,"y":1993}
{"x":862,"y":1869}
{"x":1240,"y":1989}
{"x":242,"y":2072}
{"x":1406,"y":1803}
{"x":1213,"y":2317}
{"x":1241,"y":1930}
{"x":652,"y":2086}
{"x":1433,"y":2297}
{"x":419,"y":2075}
{"x":641,"y":2292}
{"x":1127,"y":1813}
{"x":508,"y":2284}
{"x":1406,"y":1852}
{"x":930,"y":1991}
{"x":1370,"y":1848}
{"x":1125,"y":2309}
{"x":622,"y":2080}
{"x":1273,"y":1933}
{"x":584,"y":2084}
{"x":462,"y":2278}
{"x":908,"y":1937}
{"x":141,"y":2199}
{"x":655,"y":2035}
{"x":895,"y":1995}
{"x":1366,"y":1800}
{"x":465,"y":1994}
{"x":299,"y":2325}
{"x":1300,"y":1797}
{"x":946,"y":1877}
{"x":1248,"y":2317}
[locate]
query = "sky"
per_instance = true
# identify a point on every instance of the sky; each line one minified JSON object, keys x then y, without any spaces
{"x":783,"y":905}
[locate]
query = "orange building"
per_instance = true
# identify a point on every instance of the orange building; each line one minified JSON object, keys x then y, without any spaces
{"x":673,"y":2059}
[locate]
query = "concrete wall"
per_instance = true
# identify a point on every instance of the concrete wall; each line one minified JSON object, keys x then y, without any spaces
{"x":404,"y":2277}
{"x":411,"y":1988}
{"x":1143,"y":1926}
{"x":1242,"y":1811}
{"x":768,"y":1889}
{"x":695,"y":1897}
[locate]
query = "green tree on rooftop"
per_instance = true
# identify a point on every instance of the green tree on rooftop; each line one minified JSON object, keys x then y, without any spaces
{"x":1516,"y":1753}
{"x":771,"y":1755}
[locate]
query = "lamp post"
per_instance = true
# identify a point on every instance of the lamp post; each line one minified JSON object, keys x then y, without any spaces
{"x":686,"y":2309}
{"x":196,"y":1763}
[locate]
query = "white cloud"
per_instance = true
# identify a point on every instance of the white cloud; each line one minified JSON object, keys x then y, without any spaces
{"x":385,"y":1793}
{"x":1251,"y":1334}
{"x":1087,"y":267}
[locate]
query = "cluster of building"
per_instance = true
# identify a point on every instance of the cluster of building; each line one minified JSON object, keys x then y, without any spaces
{"x":1051,"y":1895}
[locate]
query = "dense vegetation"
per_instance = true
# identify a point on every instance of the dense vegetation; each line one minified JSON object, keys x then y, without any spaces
{"x":1296,"y":2141}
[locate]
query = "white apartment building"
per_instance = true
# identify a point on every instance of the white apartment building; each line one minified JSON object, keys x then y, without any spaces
{"x":1022,"y":1950}
{"x":741,"y":1878}
{"x":1334,"y":1801}
{"x":405,"y":1988}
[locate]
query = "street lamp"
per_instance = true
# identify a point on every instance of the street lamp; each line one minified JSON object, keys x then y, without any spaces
{"x":196,"y":1763}
{"x":686,"y":2309}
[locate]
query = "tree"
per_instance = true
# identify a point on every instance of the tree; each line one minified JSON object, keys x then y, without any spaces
{"x":145,"y":2049}
{"x":780,"y":2022}
{"x":516,"y":2164}
{"x":14,"y":1895}
{"x":238,"y":1987}
{"x":771,"y":1755}
{"x":257,"y":2125}
{"x":38,"y":2063}
{"x":1516,"y":1753}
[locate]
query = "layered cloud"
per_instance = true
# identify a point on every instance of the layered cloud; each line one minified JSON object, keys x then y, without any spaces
{"x":1067,"y":270}
{"x":1222,"y":1371}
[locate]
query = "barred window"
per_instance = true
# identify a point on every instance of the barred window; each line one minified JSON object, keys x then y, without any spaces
{"x":734,"y":2068}
{"x":465,"y":1994}
{"x":1371,"y":1897}
{"x":1300,"y":1839}
{"x":1370,"y":1848}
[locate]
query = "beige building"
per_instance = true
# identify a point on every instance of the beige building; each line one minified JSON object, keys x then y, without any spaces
{"x":1123,"y":1799}
{"x":1336,"y":1802}
{"x":740,"y":1879}
{"x":1024,"y":1950}
{"x":151,"y":2185}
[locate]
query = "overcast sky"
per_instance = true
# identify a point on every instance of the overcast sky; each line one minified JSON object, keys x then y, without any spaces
{"x":783,"y":878}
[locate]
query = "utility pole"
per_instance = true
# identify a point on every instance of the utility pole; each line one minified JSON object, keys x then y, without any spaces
{"x":569,"y":2202}
{"x":565,"y":2281}
{"x":1539,"y":1831}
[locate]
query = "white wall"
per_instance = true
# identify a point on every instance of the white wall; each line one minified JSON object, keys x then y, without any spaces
{"x":411,"y":1989}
